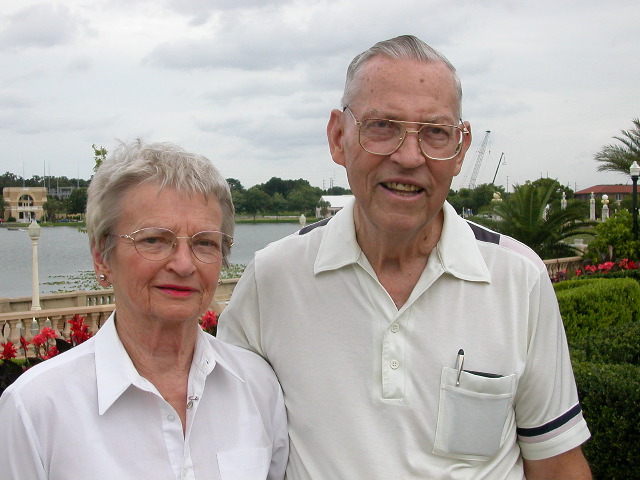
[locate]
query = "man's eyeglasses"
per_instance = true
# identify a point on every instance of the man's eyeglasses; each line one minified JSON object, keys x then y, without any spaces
{"x":155,"y":243}
{"x":383,"y":137}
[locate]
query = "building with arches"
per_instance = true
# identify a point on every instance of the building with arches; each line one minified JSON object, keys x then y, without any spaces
{"x":24,"y":203}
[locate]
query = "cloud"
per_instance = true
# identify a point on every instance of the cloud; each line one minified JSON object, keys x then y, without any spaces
{"x":39,"y":26}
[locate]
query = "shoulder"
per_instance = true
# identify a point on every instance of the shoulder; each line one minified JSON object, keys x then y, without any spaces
{"x":54,"y":376}
{"x":505,"y":245}
{"x":251,"y":367}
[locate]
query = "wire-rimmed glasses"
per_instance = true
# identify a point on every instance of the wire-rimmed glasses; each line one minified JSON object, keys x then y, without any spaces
{"x":156,"y":243}
{"x":382,"y":136}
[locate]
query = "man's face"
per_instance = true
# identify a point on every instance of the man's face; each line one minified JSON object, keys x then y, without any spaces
{"x":404,"y":191}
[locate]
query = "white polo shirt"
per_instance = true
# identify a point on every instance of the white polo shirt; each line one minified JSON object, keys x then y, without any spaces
{"x":88,"y":414}
{"x":371,"y":391}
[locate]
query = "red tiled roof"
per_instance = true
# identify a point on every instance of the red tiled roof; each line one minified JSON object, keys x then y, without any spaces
{"x":606,"y":189}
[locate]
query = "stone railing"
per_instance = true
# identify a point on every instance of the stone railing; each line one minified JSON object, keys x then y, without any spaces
{"x":30,"y":323}
{"x":556,"y":265}
{"x":78,"y":298}
{"x":95,"y":306}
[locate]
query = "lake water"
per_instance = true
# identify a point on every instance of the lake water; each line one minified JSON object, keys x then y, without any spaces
{"x":64,"y":259}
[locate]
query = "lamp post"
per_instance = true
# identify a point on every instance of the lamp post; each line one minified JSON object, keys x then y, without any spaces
{"x":34,"y":233}
{"x":635,"y":172}
{"x":605,"y":207}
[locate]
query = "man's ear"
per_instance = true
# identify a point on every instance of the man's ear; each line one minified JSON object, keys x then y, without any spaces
{"x":335,"y":135}
{"x":466,"y":143}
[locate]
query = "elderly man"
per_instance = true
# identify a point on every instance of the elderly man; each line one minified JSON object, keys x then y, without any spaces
{"x":408,"y":342}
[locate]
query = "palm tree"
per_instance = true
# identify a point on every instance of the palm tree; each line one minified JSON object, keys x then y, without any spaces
{"x":618,"y":158}
{"x":527,"y":217}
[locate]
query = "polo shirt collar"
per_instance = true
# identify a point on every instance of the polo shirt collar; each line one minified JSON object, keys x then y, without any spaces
{"x":457,"y":249}
{"x":338,"y":246}
{"x":115,"y":371}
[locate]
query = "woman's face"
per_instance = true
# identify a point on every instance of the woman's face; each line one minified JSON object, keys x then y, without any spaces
{"x":177,"y":289}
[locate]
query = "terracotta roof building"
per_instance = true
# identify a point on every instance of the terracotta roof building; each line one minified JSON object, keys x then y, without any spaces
{"x":616,"y":193}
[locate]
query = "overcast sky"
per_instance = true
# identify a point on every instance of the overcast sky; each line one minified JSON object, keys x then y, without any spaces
{"x":250,"y":83}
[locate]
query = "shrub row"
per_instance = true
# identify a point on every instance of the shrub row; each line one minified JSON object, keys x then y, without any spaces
{"x":589,"y":305}
{"x":602,"y":320}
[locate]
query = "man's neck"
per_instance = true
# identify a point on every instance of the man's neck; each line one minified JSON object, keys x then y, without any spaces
{"x":398,"y":258}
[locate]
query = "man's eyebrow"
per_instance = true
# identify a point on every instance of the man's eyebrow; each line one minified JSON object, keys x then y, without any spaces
{"x":437,"y":119}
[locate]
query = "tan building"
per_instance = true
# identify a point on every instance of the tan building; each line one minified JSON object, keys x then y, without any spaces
{"x":25,"y":203}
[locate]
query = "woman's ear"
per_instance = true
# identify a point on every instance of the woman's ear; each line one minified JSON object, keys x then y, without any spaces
{"x":101,"y":267}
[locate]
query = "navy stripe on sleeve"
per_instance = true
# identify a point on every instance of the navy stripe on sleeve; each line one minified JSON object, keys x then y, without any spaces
{"x":552,"y":425}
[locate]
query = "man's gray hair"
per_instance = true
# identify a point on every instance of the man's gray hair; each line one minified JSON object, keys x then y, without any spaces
{"x":404,"y":47}
{"x":164,"y":164}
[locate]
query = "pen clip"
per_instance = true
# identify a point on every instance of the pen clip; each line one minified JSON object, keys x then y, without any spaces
{"x":459,"y":364}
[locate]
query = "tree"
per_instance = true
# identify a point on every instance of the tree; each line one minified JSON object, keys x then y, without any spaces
{"x":4,"y":205}
{"x":618,"y":158}
{"x":77,"y":201}
{"x":557,"y":187}
{"x":526,"y":217}
{"x":52,"y":208}
{"x":277,"y":203}
{"x":254,"y":201}
{"x":338,"y":191}
{"x":304,"y":199}
{"x":99,"y":156}
{"x":474,"y":199}
{"x":614,"y":239}
{"x":235,"y":185}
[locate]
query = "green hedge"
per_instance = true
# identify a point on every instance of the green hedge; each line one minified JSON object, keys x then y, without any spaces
{"x":602,"y":320}
{"x":615,"y":345}
{"x":588,"y":306}
{"x":610,"y":398}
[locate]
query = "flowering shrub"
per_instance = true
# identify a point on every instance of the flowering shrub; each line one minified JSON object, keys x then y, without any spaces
{"x":79,"y":331}
{"x":8,"y":351}
{"x":209,"y":322}
{"x":601,"y":268}
{"x":46,"y":344}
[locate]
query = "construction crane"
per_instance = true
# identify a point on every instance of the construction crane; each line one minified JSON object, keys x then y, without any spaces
{"x":479,"y":156}
{"x":498,"y":168}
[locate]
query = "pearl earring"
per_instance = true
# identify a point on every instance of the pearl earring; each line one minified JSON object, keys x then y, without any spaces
{"x":102,"y":277}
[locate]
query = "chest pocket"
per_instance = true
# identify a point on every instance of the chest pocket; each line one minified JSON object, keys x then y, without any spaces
{"x":472,"y":416}
{"x":249,"y":464}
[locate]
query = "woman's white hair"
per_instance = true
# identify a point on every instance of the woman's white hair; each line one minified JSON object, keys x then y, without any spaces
{"x":164,"y":164}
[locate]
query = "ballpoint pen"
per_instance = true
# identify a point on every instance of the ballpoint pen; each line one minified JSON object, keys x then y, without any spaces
{"x":459,"y":364}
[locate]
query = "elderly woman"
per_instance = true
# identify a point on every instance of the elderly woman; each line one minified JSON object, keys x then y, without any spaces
{"x":150,"y":395}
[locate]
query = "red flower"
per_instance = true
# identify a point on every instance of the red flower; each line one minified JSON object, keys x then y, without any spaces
{"x":606,"y":266}
{"x":52,"y":352}
{"x":79,"y":332}
{"x":24,"y":345}
{"x":39,"y":340}
{"x":49,"y":333}
{"x":8,"y":351}
{"x":209,"y":322}
{"x":578,"y":272}
{"x":627,"y":264}
{"x":591,"y":268}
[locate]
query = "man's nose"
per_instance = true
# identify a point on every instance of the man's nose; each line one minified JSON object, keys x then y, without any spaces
{"x":409,"y":154}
